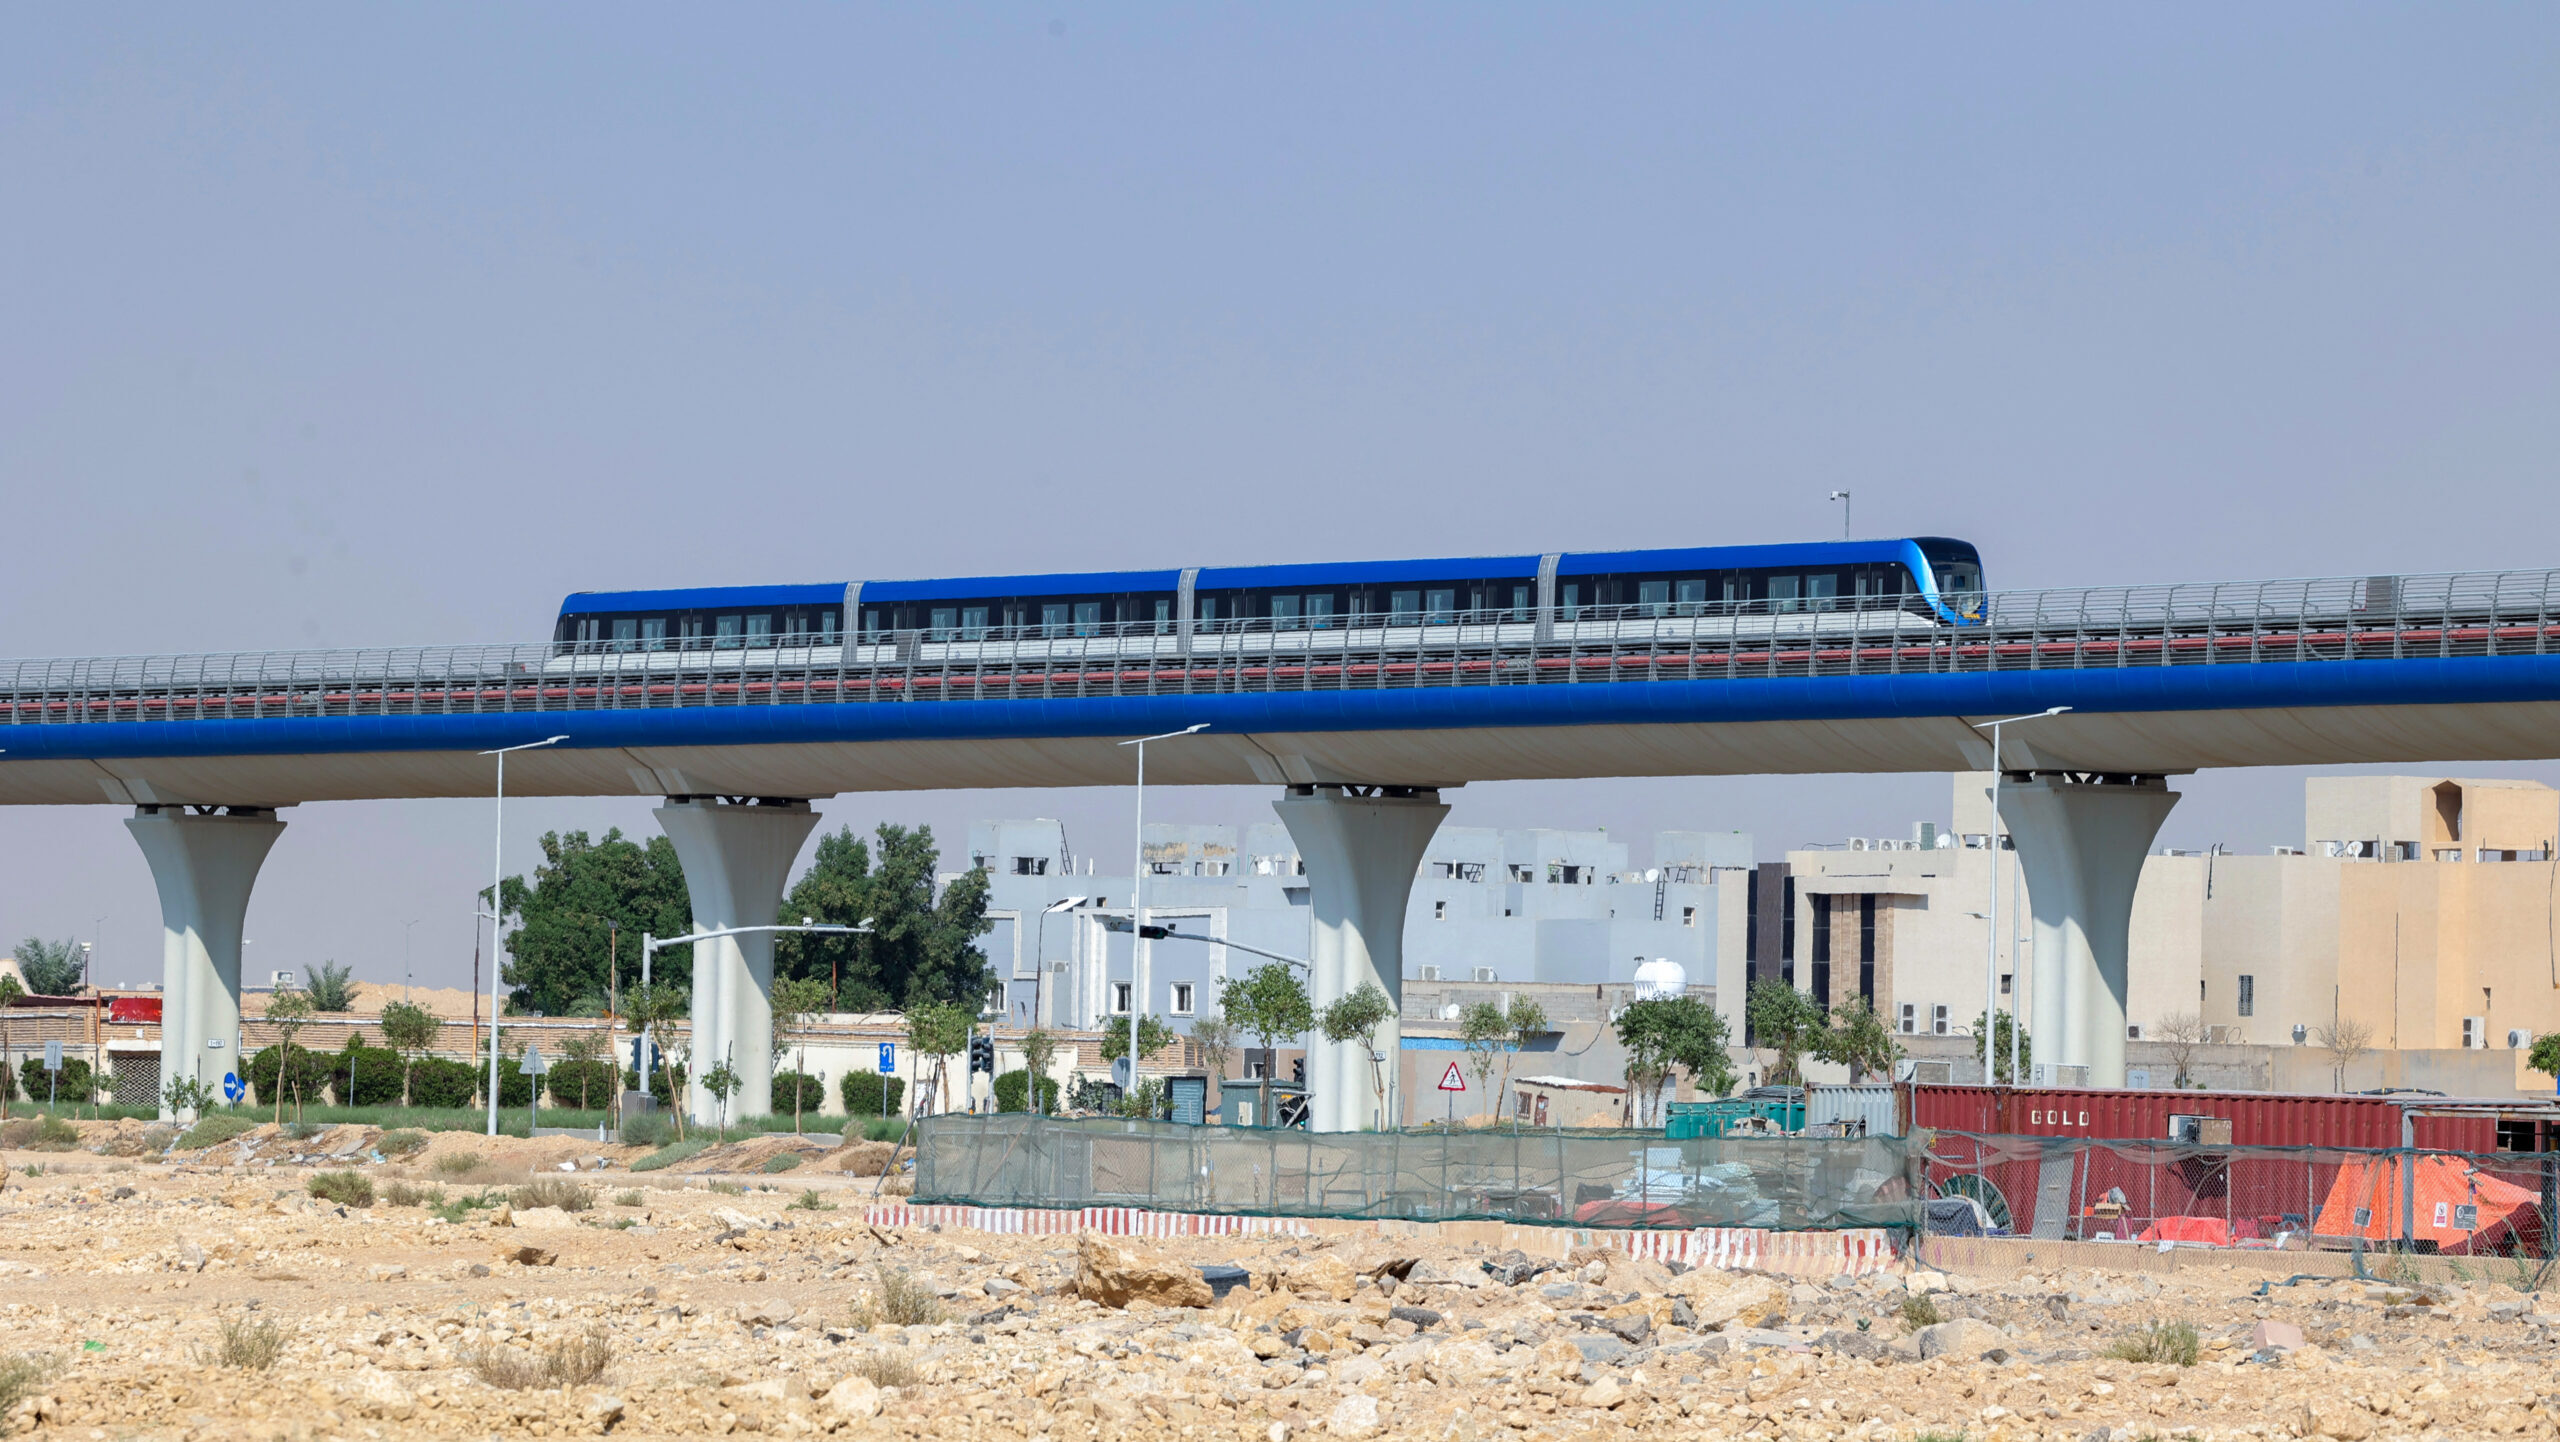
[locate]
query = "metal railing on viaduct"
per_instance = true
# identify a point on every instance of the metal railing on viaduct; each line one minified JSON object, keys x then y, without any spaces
{"x":2304,"y":622}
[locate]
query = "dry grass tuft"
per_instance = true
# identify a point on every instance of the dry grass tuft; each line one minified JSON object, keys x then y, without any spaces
{"x":19,"y":1376}
{"x":1919,"y":1311}
{"x":250,"y":1346}
{"x":886,"y":1368}
{"x":553,"y":1192}
{"x":2175,"y":1343}
{"x":898,"y":1300}
{"x":628,"y":1199}
{"x":409,"y":1194}
{"x":347,"y":1189}
{"x":401,"y":1142}
{"x":454,"y":1164}
{"x":570,"y":1362}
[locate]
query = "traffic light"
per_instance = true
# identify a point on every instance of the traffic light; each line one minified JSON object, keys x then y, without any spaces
{"x":982,"y":1054}
{"x":1298,"y":1072}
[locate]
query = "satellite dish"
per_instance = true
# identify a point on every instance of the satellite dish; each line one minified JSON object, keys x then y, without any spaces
{"x":1661,"y":978}
{"x":1120,"y":1073}
{"x":1653,"y":873}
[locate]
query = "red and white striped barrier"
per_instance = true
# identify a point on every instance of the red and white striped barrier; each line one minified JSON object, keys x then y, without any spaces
{"x":1856,"y":1252}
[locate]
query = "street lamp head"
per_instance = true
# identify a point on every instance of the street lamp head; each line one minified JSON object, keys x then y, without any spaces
{"x":1064,"y":903}
{"x":525,"y":746}
{"x":1166,"y":736}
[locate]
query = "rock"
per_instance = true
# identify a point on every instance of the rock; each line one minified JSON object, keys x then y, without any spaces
{"x":1965,"y":1338}
{"x":1353,"y":1416}
{"x":601,"y":1411}
{"x":382,"y":1273}
{"x":191,"y":1257}
{"x":1600,"y":1348}
{"x":2276,"y":1336}
{"x":999,"y":1287}
{"x":855,"y":1398}
{"x":1633,"y":1330}
{"x":1682,"y":1314}
{"x":1116,"y":1278}
{"x":1560,"y":1291}
{"x":378,"y":1395}
{"x":502,"y":1215}
{"x":1922,"y":1283}
{"x":1462,"y":1364}
{"x":1323,"y":1276}
{"x":544,"y":1219}
{"x":529,"y":1256}
{"x":1717,"y":1299}
{"x":771,"y":1312}
{"x":1423,"y":1318}
{"x":1604,"y":1393}
{"x":1840,"y":1341}
{"x":1513,"y":1267}
{"x":1223,"y":1280}
{"x":731,"y":1219}
{"x":1557,"y":1357}
{"x":2336,"y":1418}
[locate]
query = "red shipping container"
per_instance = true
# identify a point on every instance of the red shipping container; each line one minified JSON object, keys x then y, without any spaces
{"x":2258,"y":1119}
{"x":133,"y":1010}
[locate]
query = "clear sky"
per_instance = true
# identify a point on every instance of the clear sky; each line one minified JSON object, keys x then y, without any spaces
{"x":341,"y":325}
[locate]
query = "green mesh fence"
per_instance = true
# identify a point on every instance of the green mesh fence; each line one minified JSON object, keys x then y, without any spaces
{"x":1555,"y":1177}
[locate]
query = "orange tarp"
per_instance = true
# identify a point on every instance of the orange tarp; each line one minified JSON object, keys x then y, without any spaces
{"x":2445,"y":1187}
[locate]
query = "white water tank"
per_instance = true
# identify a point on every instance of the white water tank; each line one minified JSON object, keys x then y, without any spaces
{"x":1661,"y":977}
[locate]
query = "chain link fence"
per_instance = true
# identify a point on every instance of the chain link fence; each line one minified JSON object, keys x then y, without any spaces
{"x":1616,"y":1179}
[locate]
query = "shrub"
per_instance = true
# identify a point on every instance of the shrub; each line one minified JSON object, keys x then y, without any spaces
{"x":304,"y":1131}
{"x":585,"y":1085}
{"x":898,"y":1300}
{"x":658,"y":1086}
{"x":405,"y":1142}
{"x":887,"y":1368}
{"x":53,"y":1134}
{"x":553,"y":1192}
{"x":647,"y":1129}
{"x":347,"y":1189}
{"x":213,"y":1129}
{"x":251,"y":1346}
{"x":305,"y":1082}
{"x":515,"y":1089}
{"x":861,"y":1093}
{"x":405,"y":1194}
{"x":454,"y":1164}
{"x":570,"y":1362}
{"x":883,"y":1129}
{"x":810,"y":1201}
{"x":628,"y":1199}
{"x":671,"y":1154}
{"x":813,"y":1093}
{"x":19,"y":1377}
{"x":441,"y":1081}
{"x":1918,"y":1312}
{"x":75,"y":1083}
{"x":1013,"y":1093}
{"x":2175,"y":1343}
{"x":781,"y":1162}
{"x":728,"y":1189}
{"x":375,"y":1076}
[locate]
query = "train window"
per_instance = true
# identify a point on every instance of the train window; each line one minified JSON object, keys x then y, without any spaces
{"x":827,"y":627}
{"x":973,"y":623}
{"x":946,"y":620}
{"x":626,"y":631}
{"x":1284,"y":613}
{"x":653,"y":633}
{"x":760,"y":629}
{"x":1822,"y":591}
{"x":1959,"y":576}
{"x":1571,"y":607}
{"x":1693,"y":596}
{"x":1208,"y":608}
{"x":1784,"y":592}
{"x":1654,"y":597}
{"x":1319,"y":610}
{"x":1054,"y":618}
{"x":1440,"y":606}
{"x":726,"y":630}
{"x":1088,"y":618}
{"x":692,"y":634}
{"x":1403,"y":605}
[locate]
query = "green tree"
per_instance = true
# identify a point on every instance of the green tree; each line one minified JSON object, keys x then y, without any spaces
{"x":1666,"y":1032}
{"x":722,"y":1082}
{"x":333,"y":987}
{"x":2544,"y":1058}
{"x":796,"y":1001}
{"x":2000,"y":1039}
{"x":1039,"y":1053}
{"x":52,"y":968}
{"x":1356,"y":1018}
{"x":1787,"y":1022}
{"x":1859,"y":1040}
{"x":1486,"y":1030}
{"x":10,"y":991}
{"x":288,"y":1011}
{"x":566,"y":947}
{"x":1528,"y":1023}
{"x":409,"y":1029}
{"x":1217,"y":1042}
{"x":923,"y":942}
{"x":1153,"y":1036}
{"x":585,"y":1066}
{"x":939,"y":1030}
{"x":655,"y":1009}
{"x":1270,"y":1005}
{"x":1014,"y":1094}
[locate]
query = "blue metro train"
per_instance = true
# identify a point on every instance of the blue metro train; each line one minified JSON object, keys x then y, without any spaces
{"x":1732,"y":592}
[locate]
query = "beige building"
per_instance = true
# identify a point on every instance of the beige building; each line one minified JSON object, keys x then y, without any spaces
{"x":2418,"y":908}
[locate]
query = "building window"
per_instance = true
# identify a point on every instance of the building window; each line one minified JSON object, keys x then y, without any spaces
{"x":1521,"y":873}
{"x":1458,"y":870}
{"x":2248,"y":996}
{"x":2449,"y":853}
{"x":1439,"y":911}
{"x":1867,"y":948}
{"x":1688,"y":916}
{"x":1120,"y":998}
{"x":1821,"y":950}
{"x":1031,"y":866}
{"x":2004,"y":983}
{"x":1182,"y":998}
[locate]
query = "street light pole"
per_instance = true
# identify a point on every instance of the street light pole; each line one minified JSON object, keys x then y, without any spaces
{"x":497,"y":908}
{"x":404,"y":957}
{"x":1040,"y":951}
{"x":1843,"y":498}
{"x":1138,"y":900}
{"x":1991,"y":938}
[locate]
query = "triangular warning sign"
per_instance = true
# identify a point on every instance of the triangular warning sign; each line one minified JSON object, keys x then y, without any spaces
{"x":1450,"y":1081}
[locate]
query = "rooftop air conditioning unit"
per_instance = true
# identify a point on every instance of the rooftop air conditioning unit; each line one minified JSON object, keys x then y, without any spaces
{"x":2518,"y":1040}
{"x":1431,"y":973}
{"x":1484,"y":973}
{"x":279,"y":979}
{"x":1858,"y":843}
{"x":2222,"y":1036}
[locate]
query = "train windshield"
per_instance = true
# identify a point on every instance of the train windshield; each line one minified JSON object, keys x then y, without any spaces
{"x":1955,"y":565}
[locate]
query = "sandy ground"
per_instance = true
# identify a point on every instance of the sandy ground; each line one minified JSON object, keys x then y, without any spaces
{"x":754,"y":1308}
